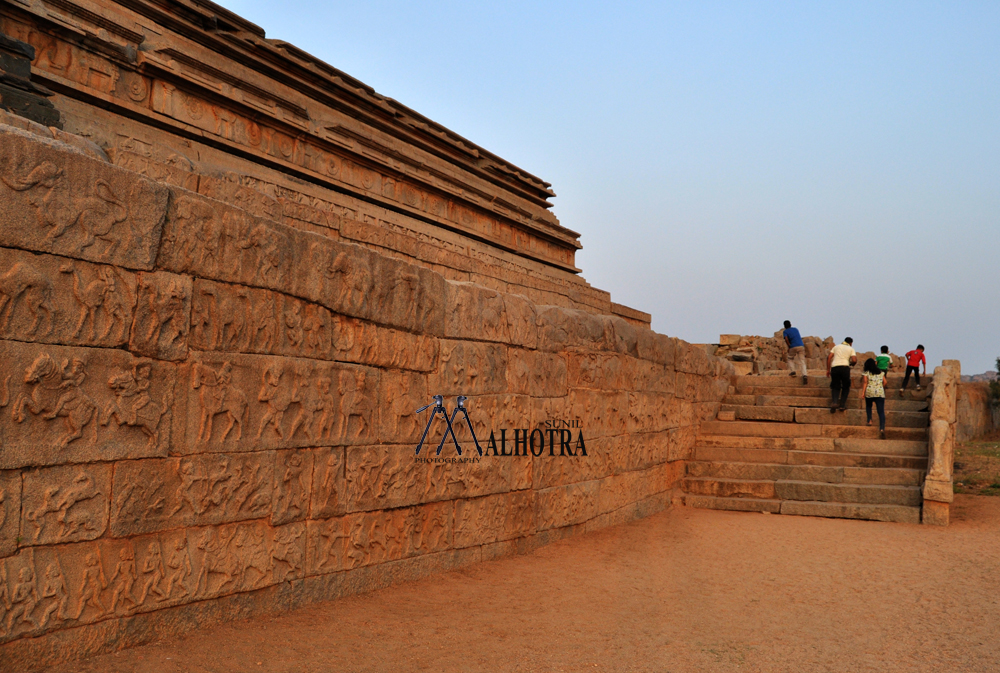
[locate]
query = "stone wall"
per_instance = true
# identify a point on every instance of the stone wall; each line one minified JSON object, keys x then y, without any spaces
{"x":976,"y":415}
{"x":207,"y":414}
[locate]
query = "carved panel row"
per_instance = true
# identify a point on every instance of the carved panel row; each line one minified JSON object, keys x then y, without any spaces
{"x":368,"y":538}
{"x":251,"y":402}
{"x":211,"y":240}
{"x":44,"y":588}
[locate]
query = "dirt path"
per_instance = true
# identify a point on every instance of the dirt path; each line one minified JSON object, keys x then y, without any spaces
{"x":686,"y":590}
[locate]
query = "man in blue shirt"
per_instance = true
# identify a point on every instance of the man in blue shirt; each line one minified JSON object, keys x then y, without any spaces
{"x":796,"y":356}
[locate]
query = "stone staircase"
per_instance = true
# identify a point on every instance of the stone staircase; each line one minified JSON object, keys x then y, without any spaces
{"x":775,"y":447}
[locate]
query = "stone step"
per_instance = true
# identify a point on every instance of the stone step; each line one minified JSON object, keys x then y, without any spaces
{"x":812,"y":491}
{"x":799,"y":390}
{"x":818,"y":401}
{"x":820,"y":458}
{"x":765,"y":429}
{"x":893,"y":419}
{"x":818,"y":473}
{"x":862,"y":494}
{"x":818,"y":381}
{"x":885,"y":447}
{"x":893,"y":513}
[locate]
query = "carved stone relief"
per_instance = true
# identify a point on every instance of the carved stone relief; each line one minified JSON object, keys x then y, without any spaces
{"x":54,"y":300}
{"x":60,"y":402}
{"x":293,"y":478}
{"x":153,"y":495}
{"x":162,"y":316}
{"x":328,"y":496}
{"x":244,"y":402}
{"x":72,"y":205}
{"x":65,"y":504}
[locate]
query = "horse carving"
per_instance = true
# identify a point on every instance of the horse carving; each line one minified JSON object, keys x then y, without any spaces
{"x":132,"y":406}
{"x":218,"y":396}
{"x":56,"y":392}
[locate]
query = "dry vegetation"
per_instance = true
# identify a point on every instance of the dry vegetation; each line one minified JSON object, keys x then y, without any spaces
{"x":977,"y":466}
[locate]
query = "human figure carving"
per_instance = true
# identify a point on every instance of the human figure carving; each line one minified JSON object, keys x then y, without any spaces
{"x":92,"y":585}
{"x":216,"y":560}
{"x":152,"y":569}
{"x":218,"y":396}
{"x":292,"y":488}
{"x":310,"y":403}
{"x":286,"y":551}
{"x":23,"y":280}
{"x":123,"y":579}
{"x":327,"y":404}
{"x":248,"y":492}
{"x":81,"y":490}
{"x":132,"y":406}
{"x":220,"y":481}
{"x":355,"y":406}
{"x":60,"y":209}
{"x":185,"y":491}
{"x":23,"y":600}
{"x":293,"y":325}
{"x":332,"y":532}
{"x":277,"y":401}
{"x":191,"y":215}
{"x":54,"y":590}
{"x":352,"y":279}
{"x":312,"y":326}
{"x":164,"y":316}
{"x":56,"y":392}
{"x":178,"y":569}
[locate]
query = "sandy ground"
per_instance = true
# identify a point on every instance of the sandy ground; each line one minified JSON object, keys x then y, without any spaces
{"x":686,"y":590}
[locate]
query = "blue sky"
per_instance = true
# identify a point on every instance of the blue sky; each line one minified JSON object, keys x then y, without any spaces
{"x":729,"y":165}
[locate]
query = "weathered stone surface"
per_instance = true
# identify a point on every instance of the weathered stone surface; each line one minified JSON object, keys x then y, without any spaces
{"x":563,"y":329}
{"x":945,"y":396}
{"x":494,"y":518}
{"x":469,"y":368}
{"x":65,"y":504}
{"x":479,"y":313}
{"x":162,"y":316}
{"x":252,"y":402}
{"x":693,"y":359}
{"x":567,"y":505}
{"x":935,"y":513}
{"x":536,"y":373}
{"x":293,"y":478}
{"x":51,"y":299}
{"x":329,"y":497}
{"x":402,"y":393}
{"x":654,"y":347}
{"x":655,"y":412}
{"x":10,"y":511}
{"x":369,"y":538}
{"x":164,"y":494}
{"x":81,"y":404}
{"x":66,"y":203}
{"x":364,"y":342}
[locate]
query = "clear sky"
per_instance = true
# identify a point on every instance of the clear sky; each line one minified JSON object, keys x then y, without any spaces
{"x":728,"y":164}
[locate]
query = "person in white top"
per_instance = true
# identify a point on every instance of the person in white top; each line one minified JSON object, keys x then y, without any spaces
{"x":838,"y":367}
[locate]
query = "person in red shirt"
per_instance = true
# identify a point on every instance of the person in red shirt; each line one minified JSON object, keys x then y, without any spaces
{"x":913,"y":361}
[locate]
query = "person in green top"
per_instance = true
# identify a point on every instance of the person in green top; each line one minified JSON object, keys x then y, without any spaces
{"x":884,"y":361}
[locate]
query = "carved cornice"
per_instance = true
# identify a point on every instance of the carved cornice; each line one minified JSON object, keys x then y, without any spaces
{"x":194,"y":50}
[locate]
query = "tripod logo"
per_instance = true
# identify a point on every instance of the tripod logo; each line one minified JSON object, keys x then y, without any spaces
{"x":439,"y":408}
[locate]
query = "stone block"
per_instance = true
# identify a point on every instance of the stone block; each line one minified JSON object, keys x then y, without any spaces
{"x":603,"y":454}
{"x":562,"y":329}
{"x":536,"y":373}
{"x":567,"y":505}
{"x":605,"y":413}
{"x":255,"y":402}
{"x":935,"y":513}
{"x":372,"y":538}
{"x":938,"y":491}
{"x":402,"y":393}
{"x":62,"y":202}
{"x":654,"y":347}
{"x":163,"y":316}
{"x":598,"y":371}
{"x":652,"y":412}
{"x":164,"y":494}
{"x":235,"y":318}
{"x":494,"y":518}
{"x":692,"y":359}
{"x":68,"y":503}
{"x":681,"y":443}
{"x":81,"y":403}
{"x":364,"y":342}
{"x":469,"y":368}
{"x":620,"y":335}
{"x":51,"y":299}
{"x":729,"y":339}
